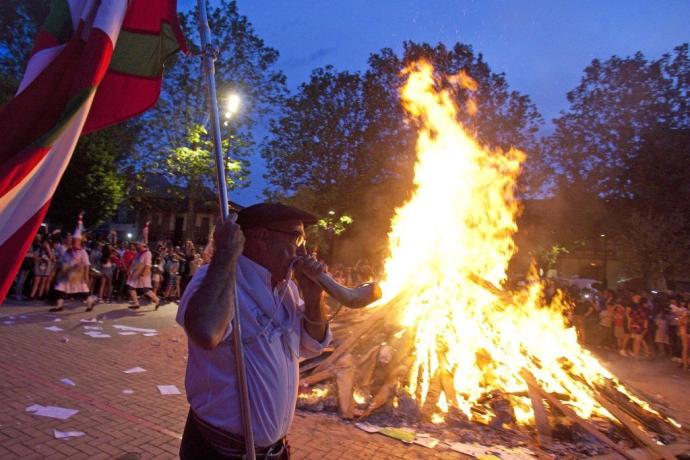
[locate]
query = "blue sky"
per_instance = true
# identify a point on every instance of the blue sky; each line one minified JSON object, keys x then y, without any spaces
{"x":541,"y":46}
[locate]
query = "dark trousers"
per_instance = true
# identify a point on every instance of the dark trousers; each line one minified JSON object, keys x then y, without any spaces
{"x":195,"y":447}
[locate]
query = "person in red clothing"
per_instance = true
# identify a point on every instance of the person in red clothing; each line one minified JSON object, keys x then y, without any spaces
{"x":638,"y":325}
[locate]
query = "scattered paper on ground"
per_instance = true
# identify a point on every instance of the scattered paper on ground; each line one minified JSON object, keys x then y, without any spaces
{"x":425,"y":440}
{"x":68,"y":382}
{"x":127,"y":391}
{"x":134,"y":370}
{"x":67,"y":434}
{"x":398,"y":433}
{"x":51,"y":411}
{"x":93,"y":328}
{"x":97,"y":334}
{"x":150,"y":334}
{"x":127,"y":333}
{"x":56,"y":320}
{"x":168,"y":390}
{"x":368,"y":427}
{"x":53,"y":328}
{"x":134,"y":329}
{"x":89,"y":320}
{"x":473,"y":449}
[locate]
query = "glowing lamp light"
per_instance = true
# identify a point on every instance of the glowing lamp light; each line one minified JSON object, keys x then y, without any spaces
{"x":233,"y":105}
{"x":129,"y":236}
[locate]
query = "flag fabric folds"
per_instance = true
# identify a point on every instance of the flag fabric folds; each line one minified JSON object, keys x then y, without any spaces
{"x":94,"y":64}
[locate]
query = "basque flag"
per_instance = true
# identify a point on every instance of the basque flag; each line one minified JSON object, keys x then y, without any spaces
{"x":95,"y":63}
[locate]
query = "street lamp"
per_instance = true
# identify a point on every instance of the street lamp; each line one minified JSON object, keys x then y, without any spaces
{"x":232,"y":106}
{"x":605,"y":280}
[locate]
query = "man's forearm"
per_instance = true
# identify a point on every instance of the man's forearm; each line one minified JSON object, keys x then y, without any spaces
{"x":315,"y":318}
{"x":211,"y":307}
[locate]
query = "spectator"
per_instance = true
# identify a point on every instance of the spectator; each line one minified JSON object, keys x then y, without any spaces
{"x":661,"y":336}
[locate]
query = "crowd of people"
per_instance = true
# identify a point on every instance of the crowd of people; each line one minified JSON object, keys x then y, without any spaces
{"x":638,"y":324}
{"x":641,"y":325}
{"x":102,"y":270}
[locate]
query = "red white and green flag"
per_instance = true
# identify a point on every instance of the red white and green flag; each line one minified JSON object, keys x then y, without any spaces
{"x":95,"y":63}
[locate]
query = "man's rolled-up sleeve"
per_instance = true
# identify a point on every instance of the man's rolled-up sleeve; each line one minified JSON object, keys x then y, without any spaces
{"x":310,"y":347}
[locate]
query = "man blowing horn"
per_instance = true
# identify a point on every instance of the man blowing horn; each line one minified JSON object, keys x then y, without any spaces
{"x":256,"y":255}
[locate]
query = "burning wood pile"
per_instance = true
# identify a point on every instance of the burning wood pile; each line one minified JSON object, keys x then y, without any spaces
{"x":446,"y":346}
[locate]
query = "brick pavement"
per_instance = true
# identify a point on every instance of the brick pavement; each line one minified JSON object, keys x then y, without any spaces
{"x":143,"y":424}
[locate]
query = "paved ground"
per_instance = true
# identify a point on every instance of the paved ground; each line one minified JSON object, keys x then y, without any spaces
{"x":145,"y":424}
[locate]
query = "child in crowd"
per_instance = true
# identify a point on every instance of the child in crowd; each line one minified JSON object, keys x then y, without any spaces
{"x":661,"y":336}
{"x":156,"y":274}
{"x":606,"y":337}
{"x":172,"y":268}
{"x":638,"y":325}
{"x":619,"y":325}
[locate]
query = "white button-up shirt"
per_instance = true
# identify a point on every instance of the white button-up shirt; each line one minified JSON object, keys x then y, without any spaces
{"x":273,"y":338}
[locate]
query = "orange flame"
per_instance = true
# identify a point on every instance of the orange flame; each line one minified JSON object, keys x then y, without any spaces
{"x":458,"y":228}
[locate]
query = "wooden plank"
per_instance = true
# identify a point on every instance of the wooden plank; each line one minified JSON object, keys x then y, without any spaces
{"x":347,"y":346}
{"x":645,"y":454}
{"x":541,"y":419}
{"x":639,"y":434}
{"x":344,"y":379}
{"x":317,"y":377}
{"x":568,"y":412}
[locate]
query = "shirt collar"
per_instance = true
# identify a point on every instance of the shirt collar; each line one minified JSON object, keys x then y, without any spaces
{"x":259,"y":271}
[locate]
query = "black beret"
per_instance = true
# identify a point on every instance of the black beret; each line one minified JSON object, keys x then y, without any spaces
{"x":258,"y":215}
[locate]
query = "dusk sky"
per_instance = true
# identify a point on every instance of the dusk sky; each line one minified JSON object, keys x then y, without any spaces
{"x":542,"y":46}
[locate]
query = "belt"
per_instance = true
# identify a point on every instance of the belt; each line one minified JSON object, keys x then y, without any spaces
{"x":233,"y":446}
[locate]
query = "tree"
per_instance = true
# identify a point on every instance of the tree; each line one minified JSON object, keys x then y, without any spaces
{"x":180,"y":119}
{"x":624,"y":142}
{"x":92,"y":182}
{"x":617,"y":104}
{"x":342,"y":141}
{"x":193,"y":166}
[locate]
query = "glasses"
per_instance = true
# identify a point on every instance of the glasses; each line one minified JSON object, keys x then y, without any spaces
{"x":297,"y":236}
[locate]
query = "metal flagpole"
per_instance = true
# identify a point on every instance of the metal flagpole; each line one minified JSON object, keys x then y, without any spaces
{"x":209,"y":56}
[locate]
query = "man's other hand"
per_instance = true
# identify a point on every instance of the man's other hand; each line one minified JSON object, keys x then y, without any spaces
{"x":307,"y":270}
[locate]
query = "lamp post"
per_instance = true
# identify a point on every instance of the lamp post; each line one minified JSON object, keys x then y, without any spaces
{"x":605,"y":280}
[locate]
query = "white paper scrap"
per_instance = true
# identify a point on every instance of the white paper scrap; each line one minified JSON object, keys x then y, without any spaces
{"x":67,"y":434}
{"x":51,"y":411}
{"x":97,"y":334}
{"x":168,"y":390}
{"x":68,"y":382}
{"x":128,"y":333}
{"x":134,"y":329}
{"x":57,"y":320}
{"x":474,"y":449}
{"x":134,"y":370}
{"x":368,"y":427}
{"x":426,"y":441}
{"x":150,"y":334}
{"x":53,"y":328}
{"x":89,"y":320}
{"x":93,"y":328}
{"x":127,"y":391}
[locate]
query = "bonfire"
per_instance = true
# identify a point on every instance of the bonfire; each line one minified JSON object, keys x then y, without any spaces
{"x":447,"y":344}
